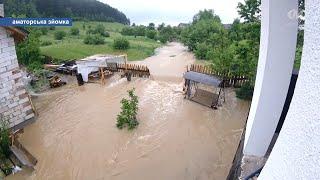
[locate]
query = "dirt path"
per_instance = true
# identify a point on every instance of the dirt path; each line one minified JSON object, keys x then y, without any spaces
{"x":75,"y":136}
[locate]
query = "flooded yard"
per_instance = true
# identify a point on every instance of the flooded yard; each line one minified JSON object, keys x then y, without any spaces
{"x":75,"y":135}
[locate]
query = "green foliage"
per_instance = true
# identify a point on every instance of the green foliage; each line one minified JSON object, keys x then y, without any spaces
{"x":250,"y":10}
{"x":28,"y":51}
{"x":77,"y":9}
{"x":4,"y":139}
{"x":152,"y":34}
{"x":99,"y":30}
{"x":44,"y":30}
{"x":128,"y":31}
{"x":233,"y":52}
{"x":46,"y":43}
{"x":74,"y":31}
{"x":151,"y":26}
{"x":121,"y":43}
{"x":59,"y":35}
{"x":134,"y":31}
{"x":245,"y":92}
{"x":129,"y":110}
{"x":140,"y":30}
{"x":93,"y":39}
{"x":167,"y":33}
{"x":206,"y":15}
{"x":20,"y":8}
{"x":202,"y":31}
{"x":202,"y":50}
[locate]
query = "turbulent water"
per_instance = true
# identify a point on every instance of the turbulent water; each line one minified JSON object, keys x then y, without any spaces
{"x":75,"y":136}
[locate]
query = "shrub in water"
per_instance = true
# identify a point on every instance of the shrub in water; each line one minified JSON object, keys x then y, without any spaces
{"x":94,"y":39}
{"x":74,"y":31}
{"x":121,"y":43}
{"x":127,"y":117}
{"x":59,"y":35}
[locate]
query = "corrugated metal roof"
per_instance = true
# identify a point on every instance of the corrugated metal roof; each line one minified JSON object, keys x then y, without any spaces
{"x":203,"y":78}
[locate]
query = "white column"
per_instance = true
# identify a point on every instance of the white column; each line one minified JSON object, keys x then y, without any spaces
{"x":296,"y":154}
{"x":277,"y":52}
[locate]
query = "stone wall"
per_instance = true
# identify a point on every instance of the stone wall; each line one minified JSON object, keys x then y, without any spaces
{"x":15,"y":104}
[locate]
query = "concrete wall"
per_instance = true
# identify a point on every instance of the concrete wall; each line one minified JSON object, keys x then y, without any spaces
{"x":279,"y":27}
{"x":296,"y":154}
{"x":14,"y":101}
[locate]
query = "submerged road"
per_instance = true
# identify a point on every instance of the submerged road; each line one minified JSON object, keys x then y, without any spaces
{"x":75,"y":136}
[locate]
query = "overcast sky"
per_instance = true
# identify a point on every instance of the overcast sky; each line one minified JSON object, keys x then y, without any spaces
{"x":173,"y":11}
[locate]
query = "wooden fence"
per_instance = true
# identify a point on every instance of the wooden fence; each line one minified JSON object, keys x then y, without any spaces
{"x":134,"y":69}
{"x":230,"y":80}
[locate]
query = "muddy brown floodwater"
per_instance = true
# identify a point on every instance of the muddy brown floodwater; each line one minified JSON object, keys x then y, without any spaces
{"x":75,"y":136}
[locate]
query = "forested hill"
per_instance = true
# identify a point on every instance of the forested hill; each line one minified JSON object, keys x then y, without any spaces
{"x":78,"y":9}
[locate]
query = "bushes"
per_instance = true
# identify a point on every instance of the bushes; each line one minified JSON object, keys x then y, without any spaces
{"x":245,"y":92}
{"x":128,"y":31}
{"x":105,"y":34}
{"x":44,"y":31}
{"x":127,"y":117}
{"x":4,"y":139}
{"x":46,"y":43}
{"x":59,"y":35}
{"x":74,"y":31}
{"x":134,"y":31}
{"x":151,"y":34}
{"x":28,"y":51}
{"x":121,"y":43}
{"x":99,"y":30}
{"x":202,"y":50}
{"x":94,"y":39}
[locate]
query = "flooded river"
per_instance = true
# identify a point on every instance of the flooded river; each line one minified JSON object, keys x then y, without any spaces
{"x":75,"y":136}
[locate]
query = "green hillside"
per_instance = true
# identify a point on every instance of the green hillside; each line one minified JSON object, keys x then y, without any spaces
{"x":73,"y":47}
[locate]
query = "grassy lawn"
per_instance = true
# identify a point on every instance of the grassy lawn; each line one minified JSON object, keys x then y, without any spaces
{"x":72,"y":47}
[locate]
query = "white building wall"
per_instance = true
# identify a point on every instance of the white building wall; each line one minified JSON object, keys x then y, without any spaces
{"x":279,"y":27}
{"x":14,"y":101}
{"x":296,"y":154}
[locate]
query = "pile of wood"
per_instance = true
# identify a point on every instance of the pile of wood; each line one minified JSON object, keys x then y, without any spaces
{"x":56,"y":81}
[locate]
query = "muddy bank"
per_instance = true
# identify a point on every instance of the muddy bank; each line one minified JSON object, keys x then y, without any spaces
{"x":75,"y":136}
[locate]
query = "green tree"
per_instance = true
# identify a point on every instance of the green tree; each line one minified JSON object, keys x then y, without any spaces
{"x":250,"y":10}
{"x":28,"y":51}
{"x":129,"y":111}
{"x":151,"y":26}
{"x":167,"y":34}
{"x":206,"y":15}
{"x":152,"y":34}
